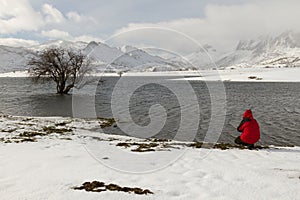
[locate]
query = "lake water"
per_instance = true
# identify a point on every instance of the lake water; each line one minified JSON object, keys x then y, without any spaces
{"x":276,"y":106}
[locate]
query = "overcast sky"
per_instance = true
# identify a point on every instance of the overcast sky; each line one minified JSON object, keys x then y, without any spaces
{"x":169,"y":24}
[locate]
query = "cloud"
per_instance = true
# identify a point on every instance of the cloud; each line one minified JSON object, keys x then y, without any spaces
{"x":56,"y":34}
{"x":222,"y":26}
{"x":52,"y":15}
{"x":19,"y":15}
{"x":59,"y":34}
{"x":16,"y":42}
{"x":16,"y":15}
{"x":87,"y":38}
{"x":74,"y":16}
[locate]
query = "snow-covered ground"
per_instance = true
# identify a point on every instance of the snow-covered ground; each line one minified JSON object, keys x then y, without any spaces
{"x":58,"y":158}
{"x":254,"y":74}
{"x":15,"y":74}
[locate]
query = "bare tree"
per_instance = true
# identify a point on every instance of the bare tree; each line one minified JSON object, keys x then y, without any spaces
{"x":65,"y":67}
{"x":120,"y":73}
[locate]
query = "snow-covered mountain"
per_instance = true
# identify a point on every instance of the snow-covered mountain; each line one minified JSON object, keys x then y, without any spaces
{"x":280,"y":51}
{"x":128,"y":58}
{"x":265,"y":51}
{"x":204,"y":57}
{"x":105,"y":58}
{"x":59,"y":43}
{"x":14,"y":58}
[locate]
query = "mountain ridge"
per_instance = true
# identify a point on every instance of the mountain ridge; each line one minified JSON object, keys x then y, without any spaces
{"x":280,"y":51}
{"x":265,"y":51}
{"x":106,"y":58}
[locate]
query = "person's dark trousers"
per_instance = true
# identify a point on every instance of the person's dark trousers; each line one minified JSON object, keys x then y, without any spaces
{"x":240,"y":142}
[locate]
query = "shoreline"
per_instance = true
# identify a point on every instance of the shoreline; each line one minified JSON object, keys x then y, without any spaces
{"x":255,"y":74}
{"x":61,"y":159}
{"x":59,"y":124}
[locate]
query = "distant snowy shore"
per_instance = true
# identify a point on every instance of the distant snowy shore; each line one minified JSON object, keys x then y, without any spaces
{"x":254,"y":74}
{"x":45,"y":158}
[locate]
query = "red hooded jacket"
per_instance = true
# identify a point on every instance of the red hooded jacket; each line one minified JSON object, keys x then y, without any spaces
{"x":249,"y":128}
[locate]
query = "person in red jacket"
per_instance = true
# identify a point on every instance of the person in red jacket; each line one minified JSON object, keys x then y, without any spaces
{"x":250,"y":130}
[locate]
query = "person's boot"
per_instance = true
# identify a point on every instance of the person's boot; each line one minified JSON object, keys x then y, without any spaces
{"x":251,"y":146}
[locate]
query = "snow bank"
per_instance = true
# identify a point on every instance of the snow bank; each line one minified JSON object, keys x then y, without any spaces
{"x":49,"y":167}
{"x":251,"y":74}
{"x":15,"y":74}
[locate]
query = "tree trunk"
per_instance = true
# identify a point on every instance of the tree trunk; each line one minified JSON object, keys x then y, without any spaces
{"x":61,"y":87}
{"x":68,"y":88}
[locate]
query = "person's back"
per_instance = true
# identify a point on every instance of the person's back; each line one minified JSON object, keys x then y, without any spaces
{"x":249,"y":128}
{"x":251,"y":133}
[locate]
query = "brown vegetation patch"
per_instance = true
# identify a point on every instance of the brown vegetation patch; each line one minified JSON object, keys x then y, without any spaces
{"x":62,"y":123}
{"x":8,"y":130}
{"x":106,"y":122}
{"x":97,"y":186}
{"x":52,"y":129}
{"x":31,"y":134}
{"x":141,"y":147}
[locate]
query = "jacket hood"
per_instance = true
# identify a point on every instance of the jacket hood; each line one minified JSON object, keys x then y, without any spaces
{"x":248,"y":114}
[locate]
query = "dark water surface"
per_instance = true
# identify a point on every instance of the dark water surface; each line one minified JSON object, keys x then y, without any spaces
{"x":276,"y":106}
